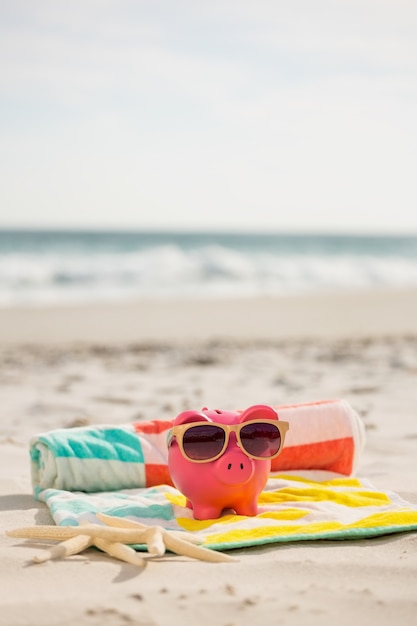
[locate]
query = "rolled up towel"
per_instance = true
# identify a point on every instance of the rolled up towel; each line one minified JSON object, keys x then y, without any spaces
{"x":325,"y":435}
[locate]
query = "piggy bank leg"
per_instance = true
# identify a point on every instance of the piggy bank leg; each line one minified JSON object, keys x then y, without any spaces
{"x":250,"y":509}
{"x":204,"y":511}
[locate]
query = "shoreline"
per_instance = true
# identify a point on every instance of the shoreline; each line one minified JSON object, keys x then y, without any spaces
{"x":364,"y":313}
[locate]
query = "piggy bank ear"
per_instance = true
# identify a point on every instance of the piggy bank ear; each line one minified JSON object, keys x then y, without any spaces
{"x":188,"y":417}
{"x":259,"y":412}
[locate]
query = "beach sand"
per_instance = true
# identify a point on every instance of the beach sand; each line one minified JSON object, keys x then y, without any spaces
{"x":61,"y":367}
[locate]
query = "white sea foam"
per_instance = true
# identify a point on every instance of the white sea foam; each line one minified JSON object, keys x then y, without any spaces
{"x":170,"y":270}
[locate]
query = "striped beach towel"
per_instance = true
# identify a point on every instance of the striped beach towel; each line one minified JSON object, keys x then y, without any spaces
{"x":326,"y":435}
{"x":311,"y":492}
{"x":293,"y":507}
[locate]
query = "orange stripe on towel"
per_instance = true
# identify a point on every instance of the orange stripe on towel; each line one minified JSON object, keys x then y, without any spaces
{"x":157,"y":475}
{"x":335,"y":456}
{"x":152,"y":428}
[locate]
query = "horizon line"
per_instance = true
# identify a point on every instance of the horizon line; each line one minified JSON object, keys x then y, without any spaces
{"x":154,"y":230}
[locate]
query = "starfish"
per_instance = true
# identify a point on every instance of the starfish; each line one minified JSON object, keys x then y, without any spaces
{"x":116,"y":537}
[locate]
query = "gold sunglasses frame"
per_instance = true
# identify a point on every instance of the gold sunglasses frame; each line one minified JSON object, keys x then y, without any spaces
{"x":177,"y":433}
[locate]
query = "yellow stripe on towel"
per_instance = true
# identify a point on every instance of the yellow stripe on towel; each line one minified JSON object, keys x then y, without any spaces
{"x":320,"y":493}
{"x":384,"y":520}
{"x":285,"y":514}
{"x":244,"y":535}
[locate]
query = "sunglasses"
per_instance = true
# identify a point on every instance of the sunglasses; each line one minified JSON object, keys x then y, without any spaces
{"x":201,"y":442}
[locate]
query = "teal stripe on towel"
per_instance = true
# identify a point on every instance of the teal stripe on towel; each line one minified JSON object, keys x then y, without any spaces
{"x":68,"y":508}
{"x":152,"y":511}
{"x":112,"y":444}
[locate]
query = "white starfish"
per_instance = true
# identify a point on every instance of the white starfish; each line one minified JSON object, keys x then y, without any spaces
{"x":116,"y":538}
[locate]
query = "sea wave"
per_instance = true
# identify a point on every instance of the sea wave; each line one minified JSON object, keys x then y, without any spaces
{"x":166,"y":271}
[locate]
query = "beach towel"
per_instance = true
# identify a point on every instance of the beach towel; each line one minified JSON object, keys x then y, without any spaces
{"x":326,"y":435}
{"x":311,"y":493}
{"x":293,"y":507}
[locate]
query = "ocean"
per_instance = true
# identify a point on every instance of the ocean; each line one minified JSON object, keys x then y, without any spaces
{"x":61,"y":267}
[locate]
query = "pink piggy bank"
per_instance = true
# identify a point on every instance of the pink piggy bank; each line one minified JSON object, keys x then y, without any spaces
{"x":221,"y":459}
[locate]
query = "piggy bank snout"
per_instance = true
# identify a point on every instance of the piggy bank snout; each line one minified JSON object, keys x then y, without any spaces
{"x":234,"y":468}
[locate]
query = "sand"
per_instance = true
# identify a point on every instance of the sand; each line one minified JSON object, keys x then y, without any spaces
{"x":61,"y":366}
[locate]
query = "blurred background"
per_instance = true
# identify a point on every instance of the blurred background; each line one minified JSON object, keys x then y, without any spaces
{"x":191,"y":147}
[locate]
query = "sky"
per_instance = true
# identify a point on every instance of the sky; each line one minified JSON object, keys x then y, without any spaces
{"x":295,"y":115}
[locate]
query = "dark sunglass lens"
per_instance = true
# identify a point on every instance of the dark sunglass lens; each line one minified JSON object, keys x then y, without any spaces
{"x":203,"y":442}
{"x":263,"y":440}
